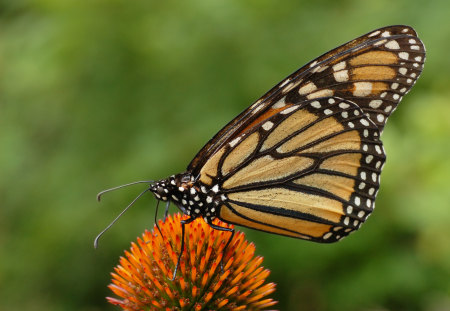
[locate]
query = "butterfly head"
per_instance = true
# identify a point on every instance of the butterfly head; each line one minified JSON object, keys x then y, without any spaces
{"x":164,"y":189}
{"x":191,"y":198}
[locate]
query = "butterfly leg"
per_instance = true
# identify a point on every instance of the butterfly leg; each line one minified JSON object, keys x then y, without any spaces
{"x":156,"y":218}
{"x":166,"y":212}
{"x":183,"y":225}
{"x":215,"y":227}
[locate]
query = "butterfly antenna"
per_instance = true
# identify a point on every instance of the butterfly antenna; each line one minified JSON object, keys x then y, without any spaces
{"x":123,"y":186}
{"x":114,"y":221}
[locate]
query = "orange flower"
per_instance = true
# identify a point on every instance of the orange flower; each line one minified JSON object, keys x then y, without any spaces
{"x":142,"y":280}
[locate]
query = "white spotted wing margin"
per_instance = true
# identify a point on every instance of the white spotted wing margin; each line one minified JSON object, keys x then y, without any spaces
{"x":374,"y":71}
{"x":310,"y":171}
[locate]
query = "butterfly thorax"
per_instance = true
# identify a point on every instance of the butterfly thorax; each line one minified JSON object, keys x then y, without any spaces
{"x":190,"y":196}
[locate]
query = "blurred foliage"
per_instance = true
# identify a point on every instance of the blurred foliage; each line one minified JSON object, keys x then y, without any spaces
{"x":99,"y":93}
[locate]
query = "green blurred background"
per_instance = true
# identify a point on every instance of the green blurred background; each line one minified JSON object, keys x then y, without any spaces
{"x":99,"y":93}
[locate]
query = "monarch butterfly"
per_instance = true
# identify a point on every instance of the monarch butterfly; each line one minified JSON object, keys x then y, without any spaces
{"x":305,"y":159}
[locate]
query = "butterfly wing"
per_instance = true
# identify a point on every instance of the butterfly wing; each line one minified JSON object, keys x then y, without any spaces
{"x":375,"y":71}
{"x":309,"y":171}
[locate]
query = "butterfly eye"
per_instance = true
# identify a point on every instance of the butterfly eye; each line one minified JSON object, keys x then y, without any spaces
{"x":185,"y":179}
{"x":160,"y":190}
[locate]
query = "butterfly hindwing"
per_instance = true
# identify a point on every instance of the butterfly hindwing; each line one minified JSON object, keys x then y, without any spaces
{"x":309,"y":171}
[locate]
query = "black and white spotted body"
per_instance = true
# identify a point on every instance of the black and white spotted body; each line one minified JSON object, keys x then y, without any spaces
{"x":192,"y":198}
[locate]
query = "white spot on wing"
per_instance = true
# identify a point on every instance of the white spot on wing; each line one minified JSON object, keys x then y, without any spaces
{"x":403,"y":55}
{"x":289,"y":110}
{"x":315,"y":104}
{"x":341,"y":76}
{"x":376,"y":103}
{"x":327,"y":235}
{"x":344,"y":105}
{"x":319,"y":69}
{"x":378,"y":149}
{"x":268,"y":125}
{"x":380,"y":42}
{"x":235,"y":141}
{"x":363,"y":175}
{"x":321,"y":93}
{"x":257,"y":108}
{"x":339,"y":66}
{"x":280,"y":103}
{"x":290,"y":86}
{"x":284,"y":82}
{"x":364,"y":122}
{"x":393,"y":45}
{"x":403,"y":70}
{"x":374,"y":177}
{"x":307,"y":88}
{"x":362,"y":89}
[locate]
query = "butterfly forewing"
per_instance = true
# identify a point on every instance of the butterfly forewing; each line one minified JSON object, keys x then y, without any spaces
{"x":374,"y":71}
